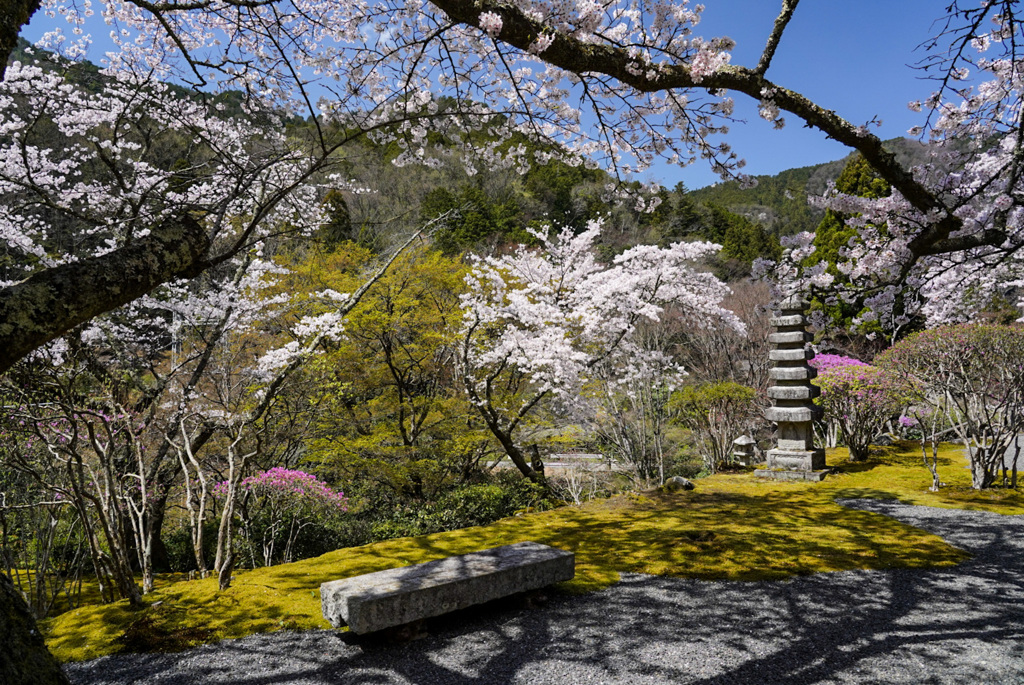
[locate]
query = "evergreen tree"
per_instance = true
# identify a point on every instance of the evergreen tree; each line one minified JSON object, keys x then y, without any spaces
{"x":833,"y":234}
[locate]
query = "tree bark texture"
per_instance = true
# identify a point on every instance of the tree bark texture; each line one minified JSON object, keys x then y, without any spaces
{"x":24,"y":659}
{"x":13,"y":15}
{"x":52,"y":302}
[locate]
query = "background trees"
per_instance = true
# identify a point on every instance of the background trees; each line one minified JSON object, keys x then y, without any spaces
{"x":971,"y":374}
{"x":542,"y":324}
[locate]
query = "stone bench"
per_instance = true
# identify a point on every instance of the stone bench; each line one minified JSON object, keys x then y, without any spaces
{"x":385,"y":599}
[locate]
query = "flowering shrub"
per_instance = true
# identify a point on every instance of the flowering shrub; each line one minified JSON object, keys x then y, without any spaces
{"x":860,"y":398}
{"x":277,"y":505}
{"x":973,"y":376}
{"x":824,"y":362}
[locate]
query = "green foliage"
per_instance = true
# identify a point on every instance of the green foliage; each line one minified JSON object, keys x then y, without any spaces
{"x":338,"y":227}
{"x":742,"y":240}
{"x":717,"y":414}
{"x":474,"y":218}
{"x":463,"y":507}
{"x":569,"y":194}
{"x":781,"y":199}
{"x":177,"y":541}
{"x":779,"y":202}
{"x":745,"y":241}
{"x":709,"y":397}
{"x":832,"y":234}
{"x":392,"y":422}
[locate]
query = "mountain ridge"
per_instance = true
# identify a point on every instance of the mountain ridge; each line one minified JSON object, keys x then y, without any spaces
{"x":779,"y":202}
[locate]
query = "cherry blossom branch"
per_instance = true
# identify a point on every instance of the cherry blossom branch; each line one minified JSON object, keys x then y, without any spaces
{"x":51,"y":302}
{"x":573,"y":55}
{"x":781,"y":21}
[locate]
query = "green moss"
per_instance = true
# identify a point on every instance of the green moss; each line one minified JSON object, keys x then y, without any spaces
{"x":732,"y":527}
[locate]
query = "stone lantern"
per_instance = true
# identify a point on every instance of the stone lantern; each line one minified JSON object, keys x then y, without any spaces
{"x":743,"y":450}
{"x":794,"y":456}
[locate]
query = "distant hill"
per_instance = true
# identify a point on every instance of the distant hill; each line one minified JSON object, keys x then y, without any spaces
{"x":779,"y":202}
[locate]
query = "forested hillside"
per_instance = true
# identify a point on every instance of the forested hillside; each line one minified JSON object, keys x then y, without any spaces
{"x":779,"y":202}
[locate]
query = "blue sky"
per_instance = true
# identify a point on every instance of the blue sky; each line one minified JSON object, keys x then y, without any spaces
{"x":848,"y":56}
{"x":851,"y":56}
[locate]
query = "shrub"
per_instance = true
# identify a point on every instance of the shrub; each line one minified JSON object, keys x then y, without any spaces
{"x":824,"y":362}
{"x":974,"y":374}
{"x":716,"y":414}
{"x":278,"y":505}
{"x":860,"y":399}
{"x":470,"y":505}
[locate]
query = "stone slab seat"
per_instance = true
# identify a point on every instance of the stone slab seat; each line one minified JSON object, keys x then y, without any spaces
{"x":385,"y":599}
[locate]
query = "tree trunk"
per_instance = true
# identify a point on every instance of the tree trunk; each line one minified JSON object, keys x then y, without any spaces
{"x":53,"y":301}
{"x":157,"y":508}
{"x":24,"y":659}
{"x":13,"y":15}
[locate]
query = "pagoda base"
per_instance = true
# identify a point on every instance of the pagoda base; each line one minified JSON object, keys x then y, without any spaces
{"x":796,"y":460}
{"x":784,"y":474}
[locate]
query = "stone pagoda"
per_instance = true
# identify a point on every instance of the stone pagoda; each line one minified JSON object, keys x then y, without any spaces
{"x":794,"y":456}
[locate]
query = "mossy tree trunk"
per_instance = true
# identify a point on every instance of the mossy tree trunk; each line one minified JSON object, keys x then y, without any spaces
{"x":53,"y":301}
{"x":24,"y":659}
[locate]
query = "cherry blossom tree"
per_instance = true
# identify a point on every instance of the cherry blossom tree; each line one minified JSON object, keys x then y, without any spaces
{"x":540,"y":324}
{"x":654,"y":87}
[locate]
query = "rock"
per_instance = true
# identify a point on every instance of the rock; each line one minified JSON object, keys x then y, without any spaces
{"x":677,"y":483}
{"x":883,"y":440}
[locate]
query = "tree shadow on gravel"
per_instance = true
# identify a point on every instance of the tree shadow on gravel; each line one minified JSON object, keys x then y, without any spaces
{"x":961,"y":624}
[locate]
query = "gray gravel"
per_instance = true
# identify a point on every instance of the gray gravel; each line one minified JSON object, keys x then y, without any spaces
{"x":960,"y":625}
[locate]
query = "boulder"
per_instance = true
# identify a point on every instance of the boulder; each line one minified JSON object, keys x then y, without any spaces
{"x":677,"y":483}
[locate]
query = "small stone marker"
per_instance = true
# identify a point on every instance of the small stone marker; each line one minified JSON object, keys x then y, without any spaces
{"x":743,"y":450}
{"x":794,"y":456}
{"x":385,"y":599}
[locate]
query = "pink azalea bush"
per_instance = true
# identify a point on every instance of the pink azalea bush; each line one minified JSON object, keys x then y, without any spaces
{"x":295,"y":489}
{"x":276,"y":505}
{"x":860,"y":399}
{"x":823,"y":362}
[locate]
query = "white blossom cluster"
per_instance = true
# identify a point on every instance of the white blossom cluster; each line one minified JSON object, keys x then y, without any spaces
{"x":379,"y":65}
{"x":561,"y":317}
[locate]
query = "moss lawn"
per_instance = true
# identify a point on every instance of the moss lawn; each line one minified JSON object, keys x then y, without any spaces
{"x":732,"y":527}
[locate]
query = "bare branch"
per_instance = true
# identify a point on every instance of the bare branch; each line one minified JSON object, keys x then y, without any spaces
{"x":788,"y":7}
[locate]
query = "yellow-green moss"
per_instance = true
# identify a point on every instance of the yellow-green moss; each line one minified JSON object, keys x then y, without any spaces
{"x":733,"y":527}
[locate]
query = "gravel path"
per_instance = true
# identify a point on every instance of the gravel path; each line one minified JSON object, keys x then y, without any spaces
{"x":960,"y":625}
